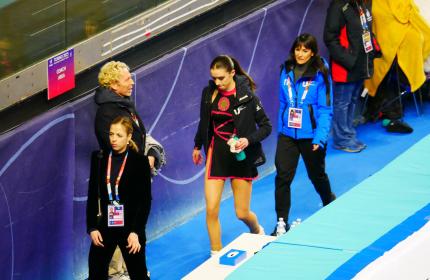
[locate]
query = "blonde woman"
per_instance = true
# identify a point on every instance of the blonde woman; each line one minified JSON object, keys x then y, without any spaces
{"x":119,"y":201}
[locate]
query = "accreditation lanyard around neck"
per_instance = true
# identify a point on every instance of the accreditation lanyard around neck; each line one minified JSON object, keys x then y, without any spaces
{"x":363,"y":19}
{"x":118,"y":178}
{"x":290,"y":92}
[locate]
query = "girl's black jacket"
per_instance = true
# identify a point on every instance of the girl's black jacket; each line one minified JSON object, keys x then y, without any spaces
{"x":134,"y":191}
{"x":248,"y":114}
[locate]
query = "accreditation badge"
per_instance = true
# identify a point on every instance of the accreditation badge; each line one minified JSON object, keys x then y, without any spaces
{"x":295,"y":117}
{"x":367,"y":42}
{"x":115,"y":215}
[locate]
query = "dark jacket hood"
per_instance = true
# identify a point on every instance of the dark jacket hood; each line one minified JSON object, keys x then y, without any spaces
{"x":104,"y":95}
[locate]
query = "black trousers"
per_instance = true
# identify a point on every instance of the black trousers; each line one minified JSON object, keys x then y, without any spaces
{"x":100,"y":257}
{"x":288,"y":151}
{"x":386,"y":101}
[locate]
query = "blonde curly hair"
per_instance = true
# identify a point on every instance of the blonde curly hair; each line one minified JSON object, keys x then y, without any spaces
{"x":110,"y":73}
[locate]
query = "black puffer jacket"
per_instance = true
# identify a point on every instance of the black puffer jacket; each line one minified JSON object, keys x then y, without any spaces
{"x":343,"y":37}
{"x":111,"y":106}
{"x":248,"y":114}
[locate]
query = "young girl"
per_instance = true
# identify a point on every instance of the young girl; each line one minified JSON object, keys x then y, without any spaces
{"x":304,"y":118}
{"x":119,"y":200}
{"x":232,"y":121}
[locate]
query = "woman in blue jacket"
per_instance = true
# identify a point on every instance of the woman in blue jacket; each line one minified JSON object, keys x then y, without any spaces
{"x":304,"y":118}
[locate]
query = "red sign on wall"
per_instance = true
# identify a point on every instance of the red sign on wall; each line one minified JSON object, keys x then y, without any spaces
{"x":61,"y":73}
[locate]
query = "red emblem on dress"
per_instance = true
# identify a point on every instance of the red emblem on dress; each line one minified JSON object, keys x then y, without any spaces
{"x":223,"y":104}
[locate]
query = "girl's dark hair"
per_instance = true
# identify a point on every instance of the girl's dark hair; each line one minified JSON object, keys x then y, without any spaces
{"x":309,"y":42}
{"x":229,"y":63}
{"x":128,"y":125}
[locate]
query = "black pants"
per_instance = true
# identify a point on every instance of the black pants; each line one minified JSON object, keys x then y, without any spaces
{"x":287,"y":156}
{"x":100,"y":257}
{"x":386,"y":102}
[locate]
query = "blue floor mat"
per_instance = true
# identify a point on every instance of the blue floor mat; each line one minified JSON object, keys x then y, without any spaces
{"x":178,"y":252}
{"x":339,"y":240}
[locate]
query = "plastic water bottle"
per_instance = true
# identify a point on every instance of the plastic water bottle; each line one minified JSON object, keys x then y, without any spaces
{"x":239,"y":155}
{"x":280,"y":227}
{"x":297,"y":222}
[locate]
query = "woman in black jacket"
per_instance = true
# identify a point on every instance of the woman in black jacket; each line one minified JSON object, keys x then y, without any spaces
{"x":119,"y":200}
{"x":352,"y":46}
{"x":232,"y":124}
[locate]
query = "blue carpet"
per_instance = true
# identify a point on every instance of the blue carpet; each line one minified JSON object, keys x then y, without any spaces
{"x":370,"y":218}
{"x":178,"y":252}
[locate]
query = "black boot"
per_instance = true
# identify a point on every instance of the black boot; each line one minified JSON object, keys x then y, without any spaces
{"x":397,"y":126}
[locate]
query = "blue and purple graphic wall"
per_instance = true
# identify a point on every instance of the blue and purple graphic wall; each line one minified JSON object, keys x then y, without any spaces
{"x":44,"y":164}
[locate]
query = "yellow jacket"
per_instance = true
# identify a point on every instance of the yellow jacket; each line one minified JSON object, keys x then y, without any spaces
{"x":401,"y":32}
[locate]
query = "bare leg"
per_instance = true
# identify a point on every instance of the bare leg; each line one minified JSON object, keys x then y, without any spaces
{"x":242,"y":190}
{"x":213,"y":193}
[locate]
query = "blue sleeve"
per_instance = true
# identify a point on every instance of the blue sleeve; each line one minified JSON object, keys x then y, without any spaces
{"x":282,"y":100}
{"x":324,"y":113}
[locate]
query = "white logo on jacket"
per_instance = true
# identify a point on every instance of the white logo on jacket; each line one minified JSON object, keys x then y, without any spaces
{"x":239,"y":109}
{"x":308,"y":83}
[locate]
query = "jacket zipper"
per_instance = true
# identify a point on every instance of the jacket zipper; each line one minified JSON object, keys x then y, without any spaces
{"x":297,"y":93}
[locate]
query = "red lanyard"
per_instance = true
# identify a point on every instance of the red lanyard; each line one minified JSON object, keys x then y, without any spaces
{"x":118,"y":178}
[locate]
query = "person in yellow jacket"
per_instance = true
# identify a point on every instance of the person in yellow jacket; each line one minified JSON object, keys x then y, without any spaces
{"x":404,"y":38}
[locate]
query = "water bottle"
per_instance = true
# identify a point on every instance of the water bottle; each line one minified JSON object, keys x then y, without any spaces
{"x":232,"y":143}
{"x":280,"y":227}
{"x":241,"y":155}
{"x":297,"y":222}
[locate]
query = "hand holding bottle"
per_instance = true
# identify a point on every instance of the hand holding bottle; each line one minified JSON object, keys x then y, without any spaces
{"x":237,"y":145}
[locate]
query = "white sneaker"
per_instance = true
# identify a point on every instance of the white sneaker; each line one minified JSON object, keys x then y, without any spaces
{"x":213,"y":253}
{"x":261,"y":232}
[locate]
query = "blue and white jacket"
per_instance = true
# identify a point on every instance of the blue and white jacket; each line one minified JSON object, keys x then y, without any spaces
{"x":317,"y":105}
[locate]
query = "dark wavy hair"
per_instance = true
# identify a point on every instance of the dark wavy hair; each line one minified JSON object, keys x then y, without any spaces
{"x":229,"y":63}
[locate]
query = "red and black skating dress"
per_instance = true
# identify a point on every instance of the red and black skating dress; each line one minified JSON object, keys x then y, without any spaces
{"x":223,"y":163}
